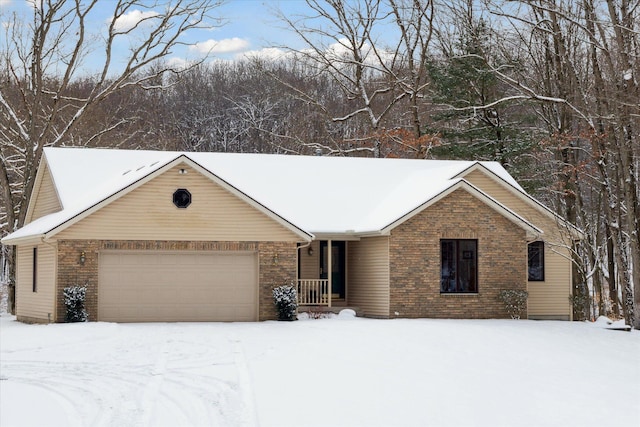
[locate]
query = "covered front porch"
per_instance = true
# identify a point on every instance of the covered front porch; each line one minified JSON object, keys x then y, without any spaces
{"x":322,"y":274}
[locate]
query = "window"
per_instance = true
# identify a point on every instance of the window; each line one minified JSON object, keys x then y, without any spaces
{"x":458,"y":266}
{"x":182,"y":198}
{"x":536,"y":261}
{"x":35,"y":271}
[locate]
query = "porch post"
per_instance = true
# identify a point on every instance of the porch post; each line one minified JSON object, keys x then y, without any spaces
{"x":329,"y":272}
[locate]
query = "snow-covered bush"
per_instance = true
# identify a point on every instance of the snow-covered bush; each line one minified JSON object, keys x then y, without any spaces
{"x":319,"y":314}
{"x":286,"y":300}
{"x":515,"y":301}
{"x":74,"y":297}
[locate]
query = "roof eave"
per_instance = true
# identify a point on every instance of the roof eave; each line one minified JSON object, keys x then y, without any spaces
{"x":182,"y":158}
{"x":531,"y":230}
{"x":337,"y":235}
{"x":107,"y":200}
{"x":301,"y":233}
{"x":573,"y":230}
{"x":22,"y":240}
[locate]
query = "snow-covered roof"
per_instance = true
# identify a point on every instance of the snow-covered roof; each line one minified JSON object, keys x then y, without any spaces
{"x":316,"y":194}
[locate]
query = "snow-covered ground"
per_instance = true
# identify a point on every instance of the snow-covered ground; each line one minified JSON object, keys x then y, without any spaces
{"x":329,"y":372}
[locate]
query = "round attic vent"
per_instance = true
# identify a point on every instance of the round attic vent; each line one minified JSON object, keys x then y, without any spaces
{"x":182,"y":198}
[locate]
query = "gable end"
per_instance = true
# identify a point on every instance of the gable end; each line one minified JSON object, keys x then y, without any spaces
{"x":509,"y":190}
{"x":532,"y":231}
{"x":44,"y":198}
{"x":148,"y":212}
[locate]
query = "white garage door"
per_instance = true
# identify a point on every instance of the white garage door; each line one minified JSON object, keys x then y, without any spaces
{"x":177,"y":287}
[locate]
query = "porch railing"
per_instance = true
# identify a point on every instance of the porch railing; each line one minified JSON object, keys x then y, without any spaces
{"x":313,"y":292}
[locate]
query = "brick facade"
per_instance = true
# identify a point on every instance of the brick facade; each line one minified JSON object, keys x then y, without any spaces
{"x":273,"y":270}
{"x":414,"y":250}
{"x":414,"y":262}
{"x":282,"y":271}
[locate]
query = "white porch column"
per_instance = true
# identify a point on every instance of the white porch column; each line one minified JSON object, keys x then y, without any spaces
{"x":329,"y":271}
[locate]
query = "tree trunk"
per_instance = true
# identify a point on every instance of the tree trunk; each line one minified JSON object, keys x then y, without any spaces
{"x":613,"y":282}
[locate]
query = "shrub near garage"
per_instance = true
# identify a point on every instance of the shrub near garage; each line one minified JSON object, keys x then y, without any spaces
{"x":74,"y":297}
{"x":286,"y":300}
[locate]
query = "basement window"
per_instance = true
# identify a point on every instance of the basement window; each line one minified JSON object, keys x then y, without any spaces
{"x":182,"y":198}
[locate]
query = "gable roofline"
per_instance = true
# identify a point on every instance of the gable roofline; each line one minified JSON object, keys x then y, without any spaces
{"x":47,"y":227}
{"x":524,"y":196}
{"x":74,"y":218}
{"x":36,"y":187}
{"x":40,"y":174}
{"x":159,"y":170}
{"x":306,"y":236}
{"x":532,"y":231}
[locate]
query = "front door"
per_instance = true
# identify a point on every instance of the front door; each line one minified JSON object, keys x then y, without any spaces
{"x":338,"y":274}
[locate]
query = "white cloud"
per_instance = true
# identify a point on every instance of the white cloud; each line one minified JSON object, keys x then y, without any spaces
{"x":267,"y":53}
{"x":340,"y":49}
{"x":231,"y":45}
{"x":34,"y":4}
{"x":179,"y":63}
{"x":130,"y":19}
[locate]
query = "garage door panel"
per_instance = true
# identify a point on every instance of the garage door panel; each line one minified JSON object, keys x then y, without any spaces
{"x":144,"y":287}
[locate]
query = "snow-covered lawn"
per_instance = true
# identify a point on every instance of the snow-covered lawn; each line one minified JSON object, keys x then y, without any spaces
{"x":329,"y":372}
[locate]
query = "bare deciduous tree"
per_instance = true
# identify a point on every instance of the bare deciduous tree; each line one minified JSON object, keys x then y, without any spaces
{"x":583,"y":70}
{"x":344,"y":40}
{"x":46,"y":61}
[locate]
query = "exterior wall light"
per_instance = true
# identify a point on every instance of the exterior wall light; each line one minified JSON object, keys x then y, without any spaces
{"x":83,"y":258}
{"x":275,"y":259}
{"x":310,"y":251}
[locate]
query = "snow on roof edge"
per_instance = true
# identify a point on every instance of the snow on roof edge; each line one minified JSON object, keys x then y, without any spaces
{"x":292,"y":217}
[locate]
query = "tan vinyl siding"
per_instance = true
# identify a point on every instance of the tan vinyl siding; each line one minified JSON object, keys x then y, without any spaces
{"x":39,"y":305}
{"x":148,"y":213}
{"x":491,"y":187}
{"x":310,"y":264}
{"x":45,"y":197}
{"x":368,"y":275}
{"x":498,"y":191}
{"x":548,"y":298}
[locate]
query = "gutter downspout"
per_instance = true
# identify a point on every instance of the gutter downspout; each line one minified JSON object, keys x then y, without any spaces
{"x":53,"y":245}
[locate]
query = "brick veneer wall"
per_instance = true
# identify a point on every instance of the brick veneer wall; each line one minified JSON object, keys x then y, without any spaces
{"x":272,"y":272}
{"x":414,"y":249}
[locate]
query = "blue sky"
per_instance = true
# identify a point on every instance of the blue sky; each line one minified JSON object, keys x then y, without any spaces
{"x":250,"y":26}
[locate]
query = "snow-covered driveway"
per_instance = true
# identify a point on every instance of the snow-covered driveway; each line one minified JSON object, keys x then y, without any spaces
{"x":357,"y":372}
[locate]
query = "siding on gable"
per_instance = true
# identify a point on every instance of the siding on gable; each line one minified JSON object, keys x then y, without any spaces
{"x":36,"y":306}
{"x":45,"y":197}
{"x":368,"y":275}
{"x":550,"y":226}
{"x":548,"y":299}
{"x":148,"y":213}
